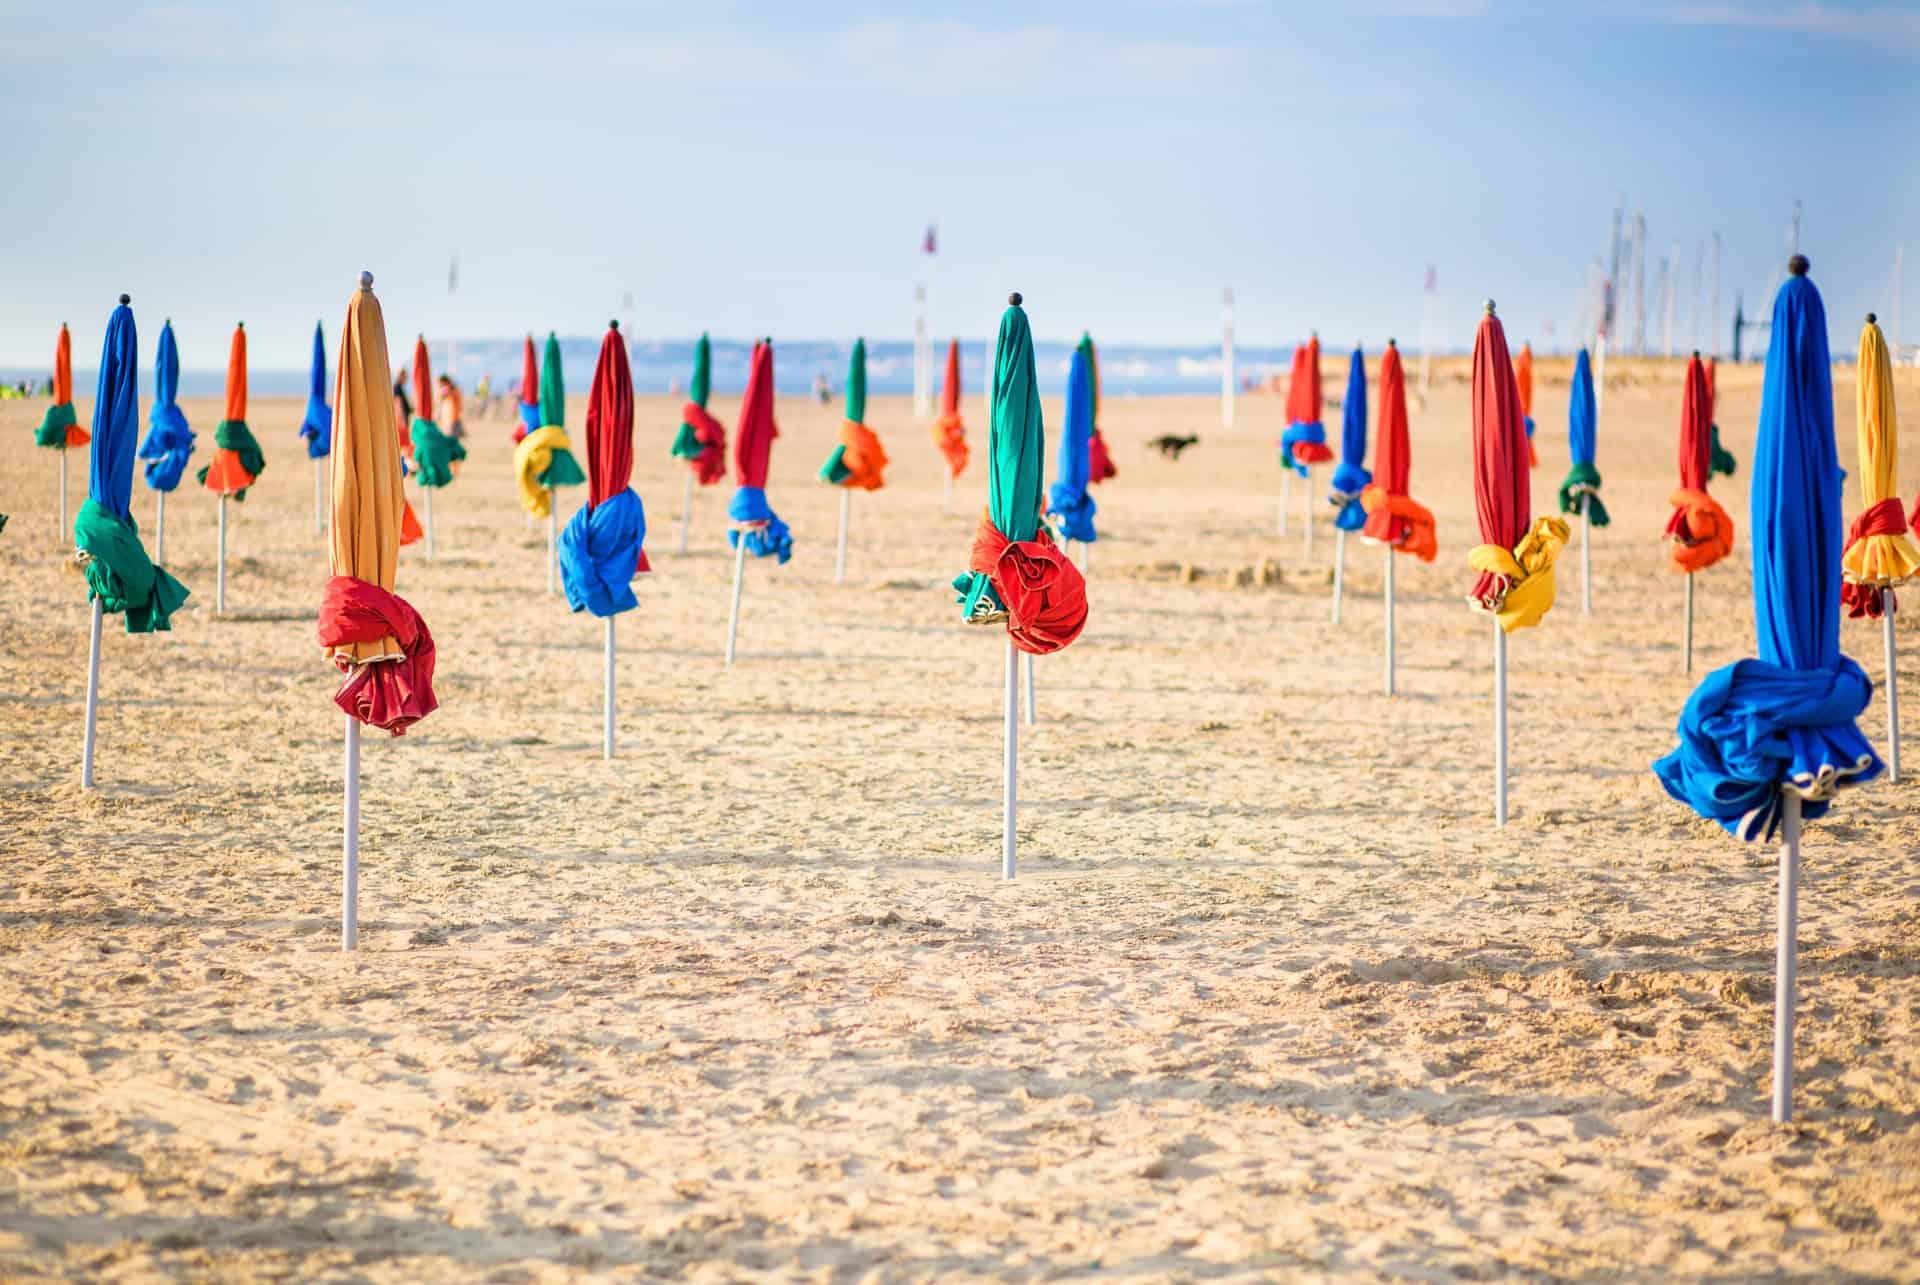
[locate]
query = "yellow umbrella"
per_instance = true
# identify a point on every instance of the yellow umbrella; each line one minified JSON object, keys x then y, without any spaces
{"x":1879,"y":554}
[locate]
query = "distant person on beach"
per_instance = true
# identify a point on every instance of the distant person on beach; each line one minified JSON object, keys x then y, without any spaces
{"x":822,"y":389}
{"x":483,"y":396}
{"x":447,"y":410}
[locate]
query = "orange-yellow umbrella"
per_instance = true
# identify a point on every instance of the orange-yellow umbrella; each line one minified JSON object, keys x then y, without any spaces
{"x":1879,"y":553}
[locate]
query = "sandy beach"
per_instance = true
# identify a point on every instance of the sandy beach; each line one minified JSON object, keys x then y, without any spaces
{"x":1271,"y":999}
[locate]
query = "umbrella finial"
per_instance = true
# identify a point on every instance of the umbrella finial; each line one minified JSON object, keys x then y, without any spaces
{"x":239,"y":325}
{"x":126,"y":299}
{"x":1014,"y":299}
{"x":1696,"y":354}
{"x":1871,"y":319}
{"x":1798,"y":265}
{"x":366,"y":279}
{"x":613,"y":324}
{"x":1393,"y":343}
{"x":1489,"y":307}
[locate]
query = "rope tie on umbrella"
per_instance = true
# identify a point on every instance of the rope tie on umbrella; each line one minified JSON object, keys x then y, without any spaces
{"x":702,"y":443}
{"x":600,"y":553}
{"x":542,"y":461}
{"x":1583,"y":479}
{"x":1699,"y":531}
{"x":392,"y":691}
{"x":1878,"y":557}
{"x":1030,"y":584}
{"x":1516,"y":587}
{"x":1399,"y":521}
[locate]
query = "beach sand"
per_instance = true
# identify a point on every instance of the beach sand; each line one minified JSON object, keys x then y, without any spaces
{"x":1271,"y":998}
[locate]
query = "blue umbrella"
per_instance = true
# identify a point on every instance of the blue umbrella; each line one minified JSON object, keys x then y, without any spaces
{"x":1350,"y":476}
{"x":317,"y":428}
{"x":1067,"y":498}
{"x":1756,"y":728}
{"x":1583,"y":479}
{"x":169,"y":441}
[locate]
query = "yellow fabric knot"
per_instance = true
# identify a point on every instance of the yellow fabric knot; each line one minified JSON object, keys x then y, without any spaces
{"x":1526,"y":574}
{"x":530,"y":460}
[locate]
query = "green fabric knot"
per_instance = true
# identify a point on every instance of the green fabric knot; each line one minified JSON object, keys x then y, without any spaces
{"x":835,"y":470}
{"x":1723,"y":461}
{"x":562,"y":469}
{"x":686,"y":444}
{"x":1583,"y":480}
{"x":53,"y":429}
{"x":120,"y":574}
{"x":434,"y":453}
{"x":234,"y":435}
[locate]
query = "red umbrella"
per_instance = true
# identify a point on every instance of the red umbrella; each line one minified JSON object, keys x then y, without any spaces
{"x":756,"y":529}
{"x":1699,"y":529}
{"x":529,"y":395}
{"x":1393,"y":518}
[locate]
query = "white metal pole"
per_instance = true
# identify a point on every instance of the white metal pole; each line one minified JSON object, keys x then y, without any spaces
{"x":429,"y":494}
{"x":1086,"y":558}
{"x":840,"y":549}
{"x":1785,"y":963}
{"x":1226,"y":364}
{"x":1011,"y":764}
{"x":1687,"y":650}
{"x":93,"y":698}
{"x":1286,"y":493}
{"x":1893,"y":699}
{"x":1586,"y":555}
{"x":159,"y":528}
{"x":1306,"y":513}
{"x":946,"y":500}
{"x":350,"y":843}
{"x":1033,"y":712}
{"x":66,"y":532}
{"x":553,"y":539}
{"x":686,"y":511}
{"x":1340,"y":568}
{"x":220,"y":575}
{"x":319,"y":498}
{"x":733,"y":611}
{"x":1499,"y":724}
{"x":606,"y":715}
{"x":1389,"y":602}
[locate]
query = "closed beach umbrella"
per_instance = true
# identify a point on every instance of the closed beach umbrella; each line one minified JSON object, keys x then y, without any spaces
{"x":1099,"y":460}
{"x":758,"y":527}
{"x":60,"y":428}
{"x":1067,"y":498}
{"x":1580,"y":492}
{"x":1699,"y":532}
{"x":949,"y":431}
{"x":600,"y":548}
{"x":367,"y":631}
{"x":1723,"y":461}
{"x":1393,"y":517}
{"x":858,"y":462}
{"x":1879,"y":553}
{"x":317,"y":427}
{"x":1304,"y":443}
{"x":529,"y":395}
{"x":1767,"y":742}
{"x":169,"y":441}
{"x":120,"y":578}
{"x":544,"y":460}
{"x":237,"y":458}
{"x":702,"y":439}
{"x":1350,"y":477}
{"x":1523,"y":380}
{"x":435,"y":453}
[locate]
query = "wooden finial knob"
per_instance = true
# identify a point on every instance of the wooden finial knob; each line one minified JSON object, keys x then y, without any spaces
{"x":1798,"y":265}
{"x":1014,"y":298}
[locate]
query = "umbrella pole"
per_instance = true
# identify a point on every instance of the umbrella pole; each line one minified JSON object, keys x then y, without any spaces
{"x":1286,"y":494}
{"x":93,"y":698}
{"x":1032,"y":711}
{"x":429,"y":494}
{"x":220,"y":576}
{"x":1499,"y":724}
{"x":1687,"y":650}
{"x":63,"y":493}
{"x":1086,"y":558}
{"x":1340,"y":568}
{"x":350,"y":842}
{"x":1306,"y":514}
{"x":733,"y":611}
{"x":553,"y":539}
{"x":1586,"y":555}
{"x":159,"y":528}
{"x":840,"y":549}
{"x":946,"y":501}
{"x":606,"y":715}
{"x":1389,"y":601}
{"x":686,"y":511}
{"x":319,"y":500}
{"x":1785,"y":961}
{"x":1893,"y":698}
{"x":1012,"y":763}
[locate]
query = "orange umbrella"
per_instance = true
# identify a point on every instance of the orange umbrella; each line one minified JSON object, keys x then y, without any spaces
{"x":949,"y":434}
{"x":61,"y":427}
{"x":1523,"y":376}
{"x":237,"y":458}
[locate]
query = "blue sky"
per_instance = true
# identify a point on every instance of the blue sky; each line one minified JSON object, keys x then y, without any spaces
{"x":754,"y":168}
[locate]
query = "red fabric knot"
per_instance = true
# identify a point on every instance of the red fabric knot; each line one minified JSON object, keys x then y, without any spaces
{"x":1099,"y":462}
{"x":1884,"y":518}
{"x":388,"y":694}
{"x":710,"y":465}
{"x":1043,"y":591}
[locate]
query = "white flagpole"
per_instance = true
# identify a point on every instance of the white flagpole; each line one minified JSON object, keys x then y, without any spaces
{"x":553,"y":539}
{"x":350,"y":842}
{"x":1687,"y":649}
{"x":1226,"y":364}
{"x":686,"y":511}
{"x":220,"y":576}
{"x":93,"y":698}
{"x":1893,"y":699}
{"x":1340,"y":568}
{"x":159,"y":528}
{"x":1785,"y":962}
{"x":606,"y":736}
{"x":1499,"y":724}
{"x":428,"y":490}
{"x":733,"y":611}
{"x":1012,"y":763}
{"x":840,"y":549}
{"x":1389,"y":602}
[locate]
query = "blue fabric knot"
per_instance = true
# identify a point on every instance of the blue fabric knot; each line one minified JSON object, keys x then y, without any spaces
{"x":1315,"y":432}
{"x":317,"y":428}
{"x":1348,"y":481}
{"x":530,"y":416}
{"x":169,"y":443}
{"x":1529,"y":420}
{"x":1075,"y":509}
{"x":600,"y":552}
{"x":749,"y":504}
{"x":1752,"y":729}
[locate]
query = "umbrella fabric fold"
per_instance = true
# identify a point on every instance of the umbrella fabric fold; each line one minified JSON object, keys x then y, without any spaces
{"x":1393,"y":517}
{"x":1583,"y":479}
{"x":949,"y":431}
{"x":1784,"y":721}
{"x":1067,"y":498}
{"x":1350,"y":476}
{"x":859,"y":461}
{"x":1099,"y":462}
{"x":237,"y":458}
{"x":1879,"y":553}
{"x":529,"y":395}
{"x":1699,"y":533}
{"x":1304,"y":442}
{"x":600,"y":551}
{"x":1523,"y":380}
{"x":702,"y":440}
{"x":754,"y":519}
{"x":1515,"y":558}
{"x":436,"y":455}
{"x":1723,"y":461}
{"x":1014,"y":572}
{"x":543,"y":459}
{"x":375,"y":637}
{"x":317,"y":427}
{"x":169,"y":441}
{"x":117,"y":568}
{"x":61,"y":427}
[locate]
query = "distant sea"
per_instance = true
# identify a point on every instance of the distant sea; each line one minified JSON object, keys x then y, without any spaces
{"x":660,"y":366}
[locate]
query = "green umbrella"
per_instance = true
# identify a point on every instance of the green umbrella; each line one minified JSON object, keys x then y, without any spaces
{"x":562,"y":468}
{"x":687,"y":444}
{"x":1015,"y":447}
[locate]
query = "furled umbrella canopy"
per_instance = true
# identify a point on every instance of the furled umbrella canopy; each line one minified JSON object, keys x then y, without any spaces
{"x":317,"y":427}
{"x":117,"y":568}
{"x":1784,"y":721}
{"x":1067,"y":498}
{"x":1304,"y":443}
{"x":169,"y":441}
{"x":1583,"y":479}
{"x":529,"y":395}
{"x":702,"y":439}
{"x":237,"y":458}
{"x":1723,"y":461}
{"x":1523,"y":380}
{"x":766,"y":535}
{"x":435,"y":454}
{"x":366,"y":630}
{"x":544,"y":459}
{"x":1099,"y":461}
{"x":600,"y":551}
{"x":1350,"y":476}
{"x":1393,"y":517}
{"x":949,"y":431}
{"x":61,"y":427}
{"x":1014,"y":572}
{"x":1515,"y":557}
{"x":859,"y":461}
{"x":1699,"y":533}
{"x":1879,"y":553}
